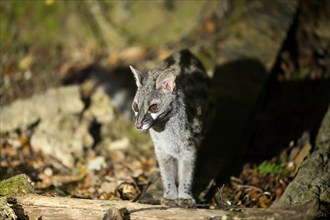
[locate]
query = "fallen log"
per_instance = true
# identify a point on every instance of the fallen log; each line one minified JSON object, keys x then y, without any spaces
{"x":33,"y":206}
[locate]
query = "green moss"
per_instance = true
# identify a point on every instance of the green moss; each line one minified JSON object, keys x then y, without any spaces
{"x":71,"y":23}
{"x":20,"y":184}
{"x":271,"y":168}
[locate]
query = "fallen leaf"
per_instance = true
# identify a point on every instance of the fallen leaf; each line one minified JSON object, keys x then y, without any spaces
{"x":304,"y":152}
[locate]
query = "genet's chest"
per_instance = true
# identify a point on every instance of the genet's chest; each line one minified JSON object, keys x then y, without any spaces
{"x":169,"y":140}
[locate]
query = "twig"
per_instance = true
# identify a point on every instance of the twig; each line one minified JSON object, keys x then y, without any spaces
{"x":249,"y":186}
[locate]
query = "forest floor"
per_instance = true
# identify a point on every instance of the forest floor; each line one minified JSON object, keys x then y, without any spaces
{"x":123,"y":175}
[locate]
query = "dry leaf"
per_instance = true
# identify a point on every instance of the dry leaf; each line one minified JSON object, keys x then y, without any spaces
{"x":304,"y":152}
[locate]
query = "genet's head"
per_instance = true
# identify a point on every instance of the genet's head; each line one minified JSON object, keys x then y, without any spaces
{"x":154,"y":97}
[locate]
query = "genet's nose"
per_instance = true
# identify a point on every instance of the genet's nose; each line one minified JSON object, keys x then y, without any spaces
{"x":138,"y":124}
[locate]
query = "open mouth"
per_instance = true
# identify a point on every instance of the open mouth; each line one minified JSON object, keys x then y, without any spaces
{"x":145,"y":127}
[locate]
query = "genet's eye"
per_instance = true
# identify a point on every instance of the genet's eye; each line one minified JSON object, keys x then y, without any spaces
{"x":135,"y":107}
{"x":153,"y":108}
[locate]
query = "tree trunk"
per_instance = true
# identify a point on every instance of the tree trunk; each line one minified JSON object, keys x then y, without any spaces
{"x":312,"y":183}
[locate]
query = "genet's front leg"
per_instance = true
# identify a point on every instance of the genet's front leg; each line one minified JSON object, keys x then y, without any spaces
{"x":168,"y":171}
{"x":186,"y":167}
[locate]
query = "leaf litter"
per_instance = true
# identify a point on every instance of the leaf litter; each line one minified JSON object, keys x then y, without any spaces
{"x":122,"y":175}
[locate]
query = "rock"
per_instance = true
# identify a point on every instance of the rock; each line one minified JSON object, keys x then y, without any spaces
{"x":251,"y":29}
{"x":20,"y":184}
{"x":96,"y":164}
{"x":101,"y":108}
{"x":23,"y":113}
{"x":63,"y":137}
{"x":261,"y":33}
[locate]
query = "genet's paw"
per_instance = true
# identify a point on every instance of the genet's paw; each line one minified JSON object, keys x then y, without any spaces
{"x":187,"y":203}
{"x":168,"y":202}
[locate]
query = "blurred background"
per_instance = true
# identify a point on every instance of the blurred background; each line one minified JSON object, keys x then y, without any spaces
{"x":66,"y":92}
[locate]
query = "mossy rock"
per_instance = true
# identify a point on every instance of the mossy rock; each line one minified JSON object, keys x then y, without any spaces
{"x":20,"y":184}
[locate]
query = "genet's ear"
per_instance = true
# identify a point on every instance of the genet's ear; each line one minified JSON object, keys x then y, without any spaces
{"x":138,"y":76}
{"x":166,"y":81}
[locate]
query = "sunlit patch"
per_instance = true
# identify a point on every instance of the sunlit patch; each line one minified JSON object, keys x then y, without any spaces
{"x":49,"y":2}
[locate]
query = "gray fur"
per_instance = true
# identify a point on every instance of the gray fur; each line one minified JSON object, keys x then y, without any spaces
{"x":180,"y":89}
